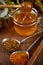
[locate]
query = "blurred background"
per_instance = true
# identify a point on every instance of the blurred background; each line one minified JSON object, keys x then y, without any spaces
{"x":4,"y":20}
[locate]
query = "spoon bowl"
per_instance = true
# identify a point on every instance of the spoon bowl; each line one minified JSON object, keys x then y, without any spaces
{"x":8,"y":42}
{"x":19,"y":57}
{"x":21,"y":51}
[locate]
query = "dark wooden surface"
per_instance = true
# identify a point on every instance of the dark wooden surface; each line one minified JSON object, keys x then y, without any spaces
{"x":9,"y":32}
{"x":40,"y":60}
{"x":36,"y":54}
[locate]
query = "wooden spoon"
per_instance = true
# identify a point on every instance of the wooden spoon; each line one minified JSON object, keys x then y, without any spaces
{"x":10,"y":6}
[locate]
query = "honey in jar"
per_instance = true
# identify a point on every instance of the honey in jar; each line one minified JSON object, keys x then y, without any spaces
{"x":25,"y":20}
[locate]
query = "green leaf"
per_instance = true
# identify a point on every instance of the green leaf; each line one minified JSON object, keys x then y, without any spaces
{"x":9,"y":2}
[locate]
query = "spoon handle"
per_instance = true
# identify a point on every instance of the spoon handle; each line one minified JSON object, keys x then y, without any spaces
{"x":10,"y":6}
{"x":32,"y":44}
{"x":40,"y":31}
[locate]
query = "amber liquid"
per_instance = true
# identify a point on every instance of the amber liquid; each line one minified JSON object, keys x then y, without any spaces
{"x":25,"y":31}
{"x":25,"y":19}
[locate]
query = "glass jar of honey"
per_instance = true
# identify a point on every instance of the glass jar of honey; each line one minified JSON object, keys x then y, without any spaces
{"x":25,"y":21}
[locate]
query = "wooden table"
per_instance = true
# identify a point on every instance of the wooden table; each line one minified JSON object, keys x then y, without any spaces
{"x":9,"y":32}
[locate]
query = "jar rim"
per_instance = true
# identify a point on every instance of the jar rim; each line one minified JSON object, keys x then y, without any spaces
{"x":34,"y":11}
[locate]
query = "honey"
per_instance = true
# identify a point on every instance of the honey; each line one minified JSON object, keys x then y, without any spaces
{"x":25,"y":31}
{"x":25,"y":20}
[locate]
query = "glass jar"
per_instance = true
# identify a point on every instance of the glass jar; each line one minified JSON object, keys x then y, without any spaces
{"x":25,"y":28}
